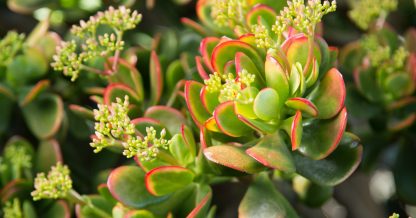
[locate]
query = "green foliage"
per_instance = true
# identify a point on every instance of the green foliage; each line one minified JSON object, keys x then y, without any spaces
{"x":10,"y":45}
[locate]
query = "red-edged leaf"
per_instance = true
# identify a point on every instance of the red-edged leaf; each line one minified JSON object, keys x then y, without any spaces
{"x":296,"y":49}
{"x":49,"y":153}
{"x":329,"y":96}
{"x":303,"y":105}
{"x":233,"y":157}
{"x":258,"y":125}
{"x":265,"y":12}
{"x":200,"y":68}
{"x":169,"y":117}
{"x":227,"y":50}
{"x":156,"y":78}
{"x":44,"y":115}
{"x":209,"y":99}
{"x":34,"y":92}
{"x":211,"y":125}
{"x":168,"y":179}
{"x":334,"y":169}
{"x":243,"y":62}
{"x":127,"y":74}
{"x":82,"y":111}
{"x":194,"y":26}
{"x":126,"y":184}
{"x":201,"y":208}
{"x":206,"y":47}
{"x":293,"y":127}
{"x":271,"y":151}
{"x":321,"y":137}
{"x":228,"y":121}
{"x":58,"y":209}
{"x":15,"y":188}
{"x":276,"y":77}
{"x":119,"y":90}
{"x":193,"y":101}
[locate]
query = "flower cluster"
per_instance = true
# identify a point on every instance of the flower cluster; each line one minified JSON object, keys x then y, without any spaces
{"x":148,"y":147}
{"x":382,"y":56}
{"x":229,"y":12}
{"x":12,"y":209}
{"x":55,"y":185}
{"x":67,"y":58}
{"x":10,"y":45}
{"x":112,"y":124}
{"x":232,"y":88}
{"x":302,"y":17}
{"x":365,"y":12}
{"x":18,"y":156}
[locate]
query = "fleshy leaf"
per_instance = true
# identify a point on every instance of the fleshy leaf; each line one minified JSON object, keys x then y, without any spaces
{"x":195,"y":106}
{"x":276,"y":77}
{"x":126,"y":184}
{"x":303,"y":105}
{"x":44,"y":115}
{"x":404,"y":173}
{"x":127,"y":74}
{"x":169,"y":117}
{"x":34,"y":92}
{"x":156,"y":78}
{"x":335,"y":168}
{"x":321,"y":137}
{"x":167,"y":179}
{"x":272,"y":152}
{"x":228,"y":121}
{"x":232,"y":157}
{"x":267,"y":104}
{"x":58,"y":209}
{"x":293,"y":127}
{"x":329,"y":96}
{"x":119,"y":90}
{"x":263,"y":200}
{"x":226,"y":51}
{"x":49,"y":153}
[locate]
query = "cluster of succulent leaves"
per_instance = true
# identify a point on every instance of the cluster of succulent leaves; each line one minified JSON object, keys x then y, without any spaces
{"x":381,"y":65}
{"x":262,"y":99}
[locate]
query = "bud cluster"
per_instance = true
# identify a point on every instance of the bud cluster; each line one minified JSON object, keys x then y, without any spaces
{"x":55,"y":185}
{"x":229,"y":12}
{"x":365,"y":12}
{"x":12,"y":209}
{"x":148,"y":147}
{"x":69,"y":60}
{"x":10,"y":45}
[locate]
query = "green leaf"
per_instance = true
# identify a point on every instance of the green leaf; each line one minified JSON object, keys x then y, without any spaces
{"x":293,"y":127}
{"x":169,"y":117}
{"x":156,"y":79}
{"x":263,"y":200}
{"x":179,"y":150}
{"x":303,"y":105}
{"x":335,"y":168}
{"x":139,"y":214}
{"x":209,"y":99}
{"x":33,"y":92}
{"x":233,"y":157}
{"x":228,"y":121}
{"x":174,"y":74}
{"x":264,"y":12}
{"x":321,"y":137}
{"x":276,"y":77}
{"x":259,"y":125}
{"x":193,"y":101}
{"x":243,"y":62}
{"x":167,"y":179}
{"x":226,"y":51}
{"x":329,"y":96}
{"x":296,"y":49}
{"x":18,"y":188}
{"x":271,"y":151}
{"x":99,"y":205}
{"x":128,"y":75}
{"x":44,"y":115}
{"x":267,"y":105}
{"x":49,"y":153}
{"x":311,"y":194}
{"x":127,"y":185}
{"x":203,"y":200}
{"x":5,"y":111}
{"x":59,"y":208}
{"x":119,"y":90}
{"x":404,"y":173}
{"x":26,"y":67}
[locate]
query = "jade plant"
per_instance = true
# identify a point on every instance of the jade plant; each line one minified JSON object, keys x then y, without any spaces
{"x":261,"y":104}
{"x":382,"y":66}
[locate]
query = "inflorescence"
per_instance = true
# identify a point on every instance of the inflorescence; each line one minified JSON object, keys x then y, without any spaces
{"x":10,"y":45}
{"x":366,"y":12}
{"x":113,"y":126}
{"x":231,"y":89}
{"x":68,"y":58}
{"x":55,"y":185}
{"x":229,"y":13}
{"x":302,"y":17}
{"x":12,"y":209}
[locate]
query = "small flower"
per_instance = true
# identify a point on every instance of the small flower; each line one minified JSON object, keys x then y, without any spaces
{"x":365,"y":12}
{"x":18,"y":156}
{"x":10,"y":45}
{"x":229,"y":12}
{"x":148,"y":147}
{"x":67,"y":60}
{"x":262,"y":36}
{"x":394,"y":215}
{"x":302,"y":17}
{"x":112,"y":123}
{"x":213,"y":83}
{"x":12,"y":209}
{"x":55,"y":185}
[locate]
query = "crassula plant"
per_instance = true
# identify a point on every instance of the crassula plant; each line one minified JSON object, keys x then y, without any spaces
{"x":382,"y":66}
{"x":262,"y":103}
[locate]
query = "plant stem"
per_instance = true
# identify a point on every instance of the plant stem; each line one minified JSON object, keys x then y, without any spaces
{"x":92,"y":69}
{"x":74,"y":197}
